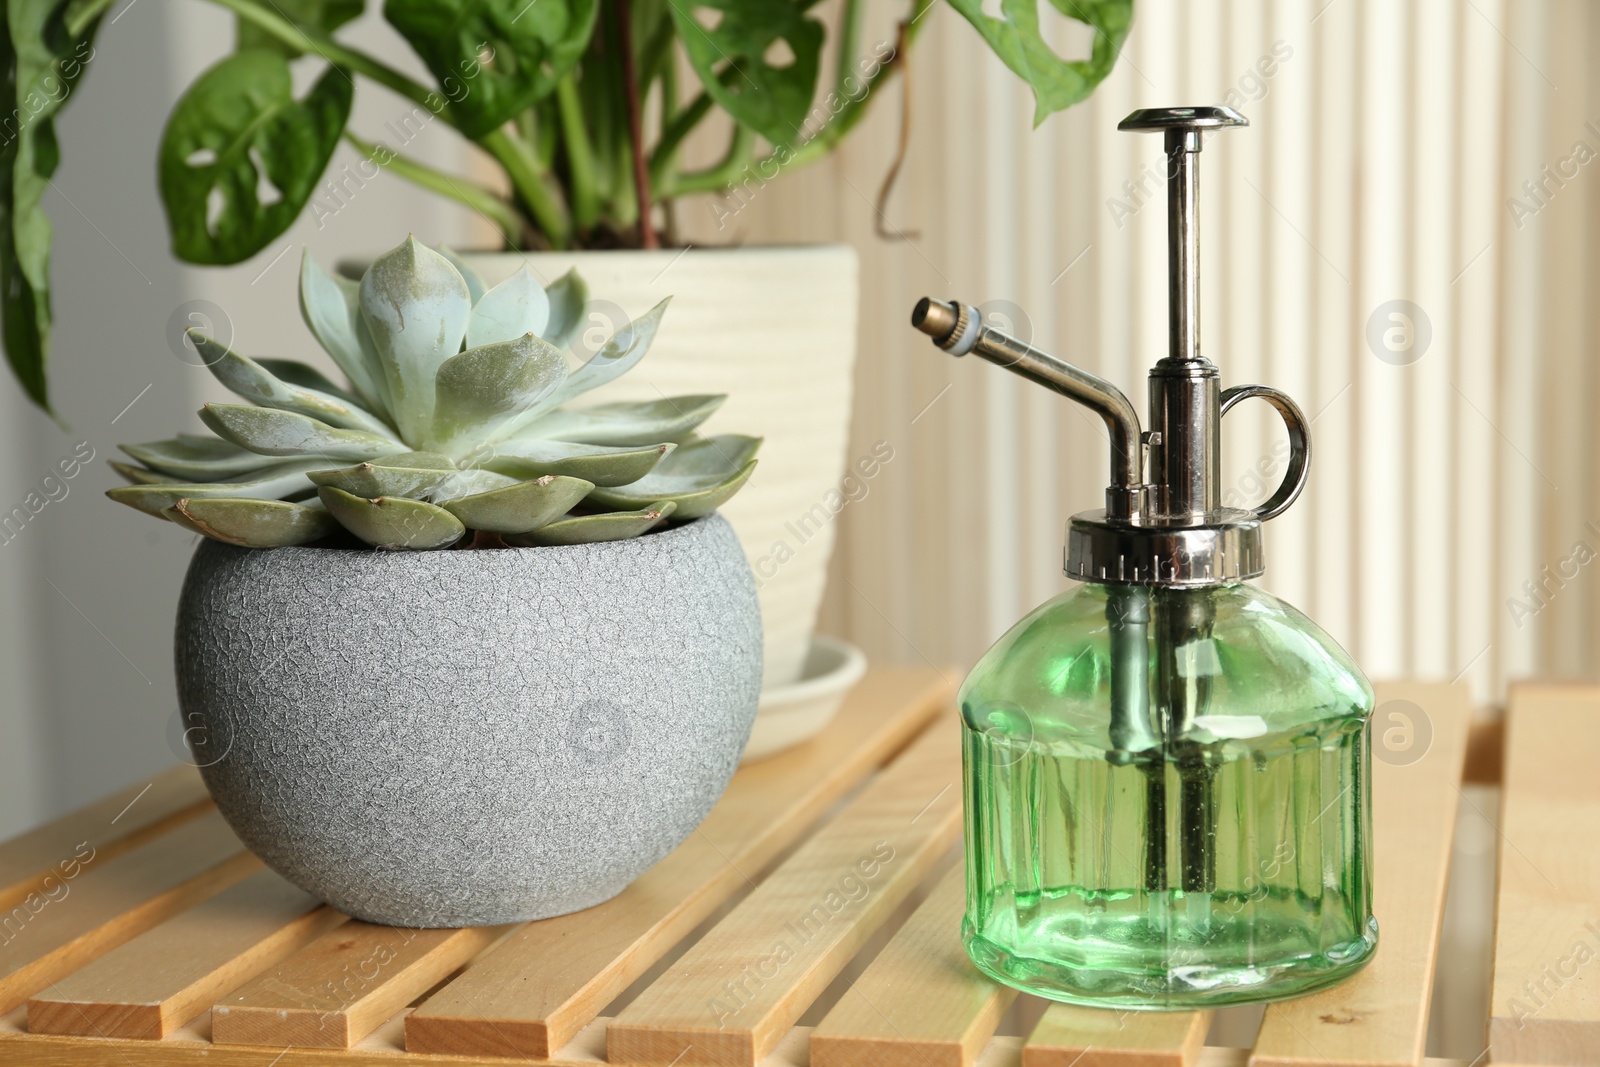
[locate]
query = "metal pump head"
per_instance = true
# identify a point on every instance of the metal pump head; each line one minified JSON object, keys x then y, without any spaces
{"x":1163,"y":523}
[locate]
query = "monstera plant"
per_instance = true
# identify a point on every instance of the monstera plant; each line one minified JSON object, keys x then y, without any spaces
{"x":451,"y":429}
{"x":559,"y":93}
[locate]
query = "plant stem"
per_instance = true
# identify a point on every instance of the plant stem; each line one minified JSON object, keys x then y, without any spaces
{"x":497,"y":211}
{"x":849,"y":36}
{"x":78,"y":21}
{"x":673,"y":133}
{"x":580,"y":156}
{"x":630,"y":87}
{"x":528,"y":179}
{"x":656,"y":56}
{"x":734,"y":162}
{"x":885,"y":230}
{"x":669,"y":104}
{"x":677,"y":128}
{"x":337,"y":54}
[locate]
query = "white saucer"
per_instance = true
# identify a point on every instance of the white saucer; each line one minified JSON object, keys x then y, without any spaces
{"x":790,"y":714}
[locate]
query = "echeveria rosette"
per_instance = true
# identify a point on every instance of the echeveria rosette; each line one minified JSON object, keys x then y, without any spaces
{"x":451,"y":428}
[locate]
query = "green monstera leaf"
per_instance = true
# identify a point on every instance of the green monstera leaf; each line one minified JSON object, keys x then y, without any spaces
{"x":1057,"y":83}
{"x":46,"y":52}
{"x":318,"y":16}
{"x":493,"y":58}
{"x":772,"y":98}
{"x":241,"y":156}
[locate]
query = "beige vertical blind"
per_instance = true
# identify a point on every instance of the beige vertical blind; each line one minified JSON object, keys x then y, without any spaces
{"x":1404,"y":240}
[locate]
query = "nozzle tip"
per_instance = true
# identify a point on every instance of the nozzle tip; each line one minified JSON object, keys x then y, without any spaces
{"x":935,"y":318}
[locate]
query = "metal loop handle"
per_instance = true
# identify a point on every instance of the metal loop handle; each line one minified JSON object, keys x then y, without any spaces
{"x":1294,"y":420}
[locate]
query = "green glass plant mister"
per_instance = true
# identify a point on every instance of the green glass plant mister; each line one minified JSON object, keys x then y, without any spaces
{"x":1166,"y":769}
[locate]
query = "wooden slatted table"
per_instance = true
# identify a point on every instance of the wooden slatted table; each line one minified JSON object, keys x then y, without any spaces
{"x":138,"y":931}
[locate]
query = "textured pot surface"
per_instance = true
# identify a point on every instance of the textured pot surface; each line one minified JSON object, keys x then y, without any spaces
{"x":463,"y":738}
{"x":775,"y":329}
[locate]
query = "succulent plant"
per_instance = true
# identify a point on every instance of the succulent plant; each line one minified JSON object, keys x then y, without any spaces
{"x":450,"y":431}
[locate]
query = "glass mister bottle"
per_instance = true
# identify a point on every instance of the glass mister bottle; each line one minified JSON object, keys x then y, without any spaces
{"x":1166,"y":769}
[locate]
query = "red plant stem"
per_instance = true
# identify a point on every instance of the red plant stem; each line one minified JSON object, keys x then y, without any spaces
{"x":630,"y":85}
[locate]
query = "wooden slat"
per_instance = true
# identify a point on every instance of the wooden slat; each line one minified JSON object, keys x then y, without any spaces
{"x":345,"y":984}
{"x":921,"y":1002}
{"x":190,"y":1048}
{"x":1092,"y":1037}
{"x":1545,"y":1004}
{"x":190,"y":1045}
{"x":733,"y":995}
{"x":536,"y":991}
{"x":1486,"y":751}
{"x":163,"y":978}
{"x":99,"y":833}
{"x":1006,"y":1052}
{"x":1379,"y":1017}
{"x":44,"y":938}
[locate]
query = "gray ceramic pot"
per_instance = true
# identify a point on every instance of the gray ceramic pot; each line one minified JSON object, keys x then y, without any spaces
{"x":464,"y":738}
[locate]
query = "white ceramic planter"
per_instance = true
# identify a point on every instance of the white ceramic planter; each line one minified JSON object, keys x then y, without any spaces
{"x":775,"y":328}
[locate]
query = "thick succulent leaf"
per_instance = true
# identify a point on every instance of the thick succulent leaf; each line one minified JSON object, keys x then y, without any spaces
{"x":482,"y":391}
{"x":592,"y":463}
{"x":515,"y":307}
{"x":270,"y":432}
{"x":283,"y":480}
{"x":692,"y":501}
{"x":768,"y":97}
{"x":258,"y":385}
{"x":421,"y":483}
{"x":699,"y":477}
{"x":193,"y":458}
{"x":331,"y":307}
{"x":293,"y":372}
{"x":140,"y":475}
{"x":587,"y":529}
{"x":253,"y":523}
{"x":567,"y":296}
{"x":1016,"y":38}
{"x":422,"y":460}
{"x":627,"y":422}
{"x":476,"y":286}
{"x":522,"y":507}
{"x":416,"y":307}
{"x":49,"y":45}
{"x":533,"y":46}
{"x":469,"y":482}
{"x":238,"y":135}
{"x":618,"y":356}
{"x":393,"y":521}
